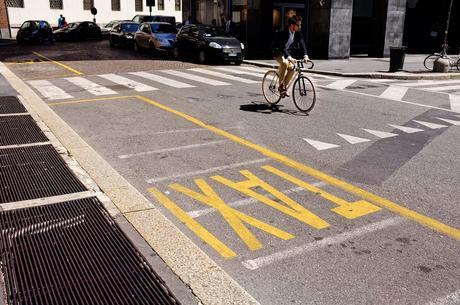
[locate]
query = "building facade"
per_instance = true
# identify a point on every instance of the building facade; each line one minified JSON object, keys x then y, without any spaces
{"x":332,"y":28}
{"x":79,"y":10}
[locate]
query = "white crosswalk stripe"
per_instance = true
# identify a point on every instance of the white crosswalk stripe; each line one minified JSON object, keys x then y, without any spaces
{"x":162,"y":80}
{"x":394,"y":93}
{"x":224,"y":76}
{"x":239,"y":71}
{"x":262,"y":70}
{"x":453,"y":122}
{"x":425,"y":83}
{"x":196,"y":78}
{"x":454,"y":102}
{"x":341,"y":84}
{"x":90,"y":86}
{"x":406,"y":129}
{"x":139,"y":87}
{"x":48,"y":90}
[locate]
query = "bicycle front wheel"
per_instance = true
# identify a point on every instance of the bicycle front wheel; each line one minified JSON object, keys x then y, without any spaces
{"x":304,"y":94}
{"x":270,"y":84}
{"x":458,"y":64}
{"x":429,"y":61}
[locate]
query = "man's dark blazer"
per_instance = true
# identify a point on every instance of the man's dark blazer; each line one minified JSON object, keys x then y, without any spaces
{"x":296,"y":50}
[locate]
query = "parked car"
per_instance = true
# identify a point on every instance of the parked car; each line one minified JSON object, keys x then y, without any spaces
{"x":79,"y":31}
{"x":155,"y":18}
{"x":156,"y":36}
{"x":206,"y":42}
{"x":105,"y":30}
{"x":122,"y":33}
{"x":35,"y":31}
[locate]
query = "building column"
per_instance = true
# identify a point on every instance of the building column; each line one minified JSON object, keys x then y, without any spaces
{"x":340,"y":28}
{"x":4,"y":23}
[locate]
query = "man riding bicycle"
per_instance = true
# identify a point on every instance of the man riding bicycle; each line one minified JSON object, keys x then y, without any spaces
{"x":289,"y":46}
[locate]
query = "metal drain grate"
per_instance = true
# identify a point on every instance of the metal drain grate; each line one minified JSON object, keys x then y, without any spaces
{"x":34,"y":172}
{"x":74,"y":253}
{"x":11,"y":104}
{"x":20,"y":130}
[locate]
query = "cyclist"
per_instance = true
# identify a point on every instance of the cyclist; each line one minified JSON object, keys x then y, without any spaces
{"x":289,"y":45}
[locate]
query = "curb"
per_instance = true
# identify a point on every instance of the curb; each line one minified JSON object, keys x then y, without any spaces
{"x":372,"y":75}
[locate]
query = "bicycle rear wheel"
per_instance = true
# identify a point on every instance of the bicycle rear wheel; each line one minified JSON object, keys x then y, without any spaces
{"x":429,"y":61}
{"x":458,"y":64}
{"x":304,"y":94}
{"x":270,"y":84}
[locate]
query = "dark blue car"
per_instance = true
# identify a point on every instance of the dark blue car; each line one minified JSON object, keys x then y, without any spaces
{"x":34,"y":31}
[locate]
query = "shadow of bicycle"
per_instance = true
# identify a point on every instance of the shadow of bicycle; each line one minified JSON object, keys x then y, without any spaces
{"x":269,"y":109}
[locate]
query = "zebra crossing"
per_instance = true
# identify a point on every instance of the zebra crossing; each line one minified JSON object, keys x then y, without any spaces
{"x":379,"y":134}
{"x":398,"y":90}
{"x":59,"y":88}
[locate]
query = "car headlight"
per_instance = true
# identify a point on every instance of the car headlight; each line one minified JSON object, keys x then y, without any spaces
{"x":215,"y":45}
{"x":129,"y":36}
{"x":242,"y":46}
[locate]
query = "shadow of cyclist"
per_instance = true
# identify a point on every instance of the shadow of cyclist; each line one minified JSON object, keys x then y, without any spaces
{"x":269,"y":109}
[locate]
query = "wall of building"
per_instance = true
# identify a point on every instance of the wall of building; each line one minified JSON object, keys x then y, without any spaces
{"x":394,"y":31}
{"x":340,"y":28}
{"x":4,"y":30}
{"x":73,"y":11}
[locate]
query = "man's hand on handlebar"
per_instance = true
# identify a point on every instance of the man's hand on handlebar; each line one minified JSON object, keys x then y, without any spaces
{"x":306,"y":59}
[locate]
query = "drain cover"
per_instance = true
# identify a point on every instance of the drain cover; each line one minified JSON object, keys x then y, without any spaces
{"x":34,"y":172}
{"x":73,"y":253}
{"x":20,"y":130}
{"x":11,"y":104}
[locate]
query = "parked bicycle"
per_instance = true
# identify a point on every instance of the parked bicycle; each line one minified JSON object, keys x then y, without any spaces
{"x":430,"y":59}
{"x":303,"y":90}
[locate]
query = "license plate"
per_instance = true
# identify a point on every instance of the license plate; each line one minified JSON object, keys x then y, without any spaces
{"x":232,"y":54}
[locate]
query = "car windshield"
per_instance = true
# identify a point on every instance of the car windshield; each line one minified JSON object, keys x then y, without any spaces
{"x":72,"y":25}
{"x":213,"y":32}
{"x":130,"y":27}
{"x":163,"y":28}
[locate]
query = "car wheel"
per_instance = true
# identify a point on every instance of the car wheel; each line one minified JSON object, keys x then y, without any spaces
{"x":112,"y":44}
{"x":136,"y":47}
{"x":238,"y":62}
{"x":202,"y":56}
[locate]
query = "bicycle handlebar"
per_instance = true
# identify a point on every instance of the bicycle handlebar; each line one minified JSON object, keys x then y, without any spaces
{"x":300,"y":64}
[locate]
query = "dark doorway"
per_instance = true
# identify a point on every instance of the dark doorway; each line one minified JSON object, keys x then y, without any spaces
{"x":363,"y":23}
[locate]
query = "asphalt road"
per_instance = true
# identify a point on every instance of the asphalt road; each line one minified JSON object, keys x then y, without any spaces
{"x":355,"y":203}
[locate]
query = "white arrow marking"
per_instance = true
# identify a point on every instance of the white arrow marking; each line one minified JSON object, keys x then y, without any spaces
{"x":453,"y":122}
{"x":320,"y":145}
{"x":406,"y":129}
{"x":353,"y":139}
{"x":380,"y":134}
{"x":454,"y":102}
{"x":430,"y":125}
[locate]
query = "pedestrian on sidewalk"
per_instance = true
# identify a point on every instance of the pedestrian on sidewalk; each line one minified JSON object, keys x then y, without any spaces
{"x":60,"y":22}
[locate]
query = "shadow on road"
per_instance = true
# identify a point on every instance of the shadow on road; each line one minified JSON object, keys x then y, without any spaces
{"x":269,"y":109}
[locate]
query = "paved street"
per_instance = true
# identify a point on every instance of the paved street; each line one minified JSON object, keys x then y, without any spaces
{"x":355,"y":203}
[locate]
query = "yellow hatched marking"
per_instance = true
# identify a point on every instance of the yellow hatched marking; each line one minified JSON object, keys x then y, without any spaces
{"x":234,"y":218}
{"x":193,"y":225}
{"x":292,"y":209}
{"x":350,"y":210}
{"x":380,"y":201}
{"x":58,"y":63}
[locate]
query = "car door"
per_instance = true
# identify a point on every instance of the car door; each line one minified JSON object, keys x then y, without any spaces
{"x":194,"y":40}
{"x":146,"y":33}
{"x":82,"y":30}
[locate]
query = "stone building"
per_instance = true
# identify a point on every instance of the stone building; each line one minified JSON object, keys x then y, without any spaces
{"x":332,"y":28}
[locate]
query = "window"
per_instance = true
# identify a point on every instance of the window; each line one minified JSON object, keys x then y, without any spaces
{"x":116,"y":5}
{"x":178,"y":5}
{"x":15,"y":3}
{"x":88,"y":4}
{"x":139,"y":6}
{"x":56,"y":4}
{"x":161,"y":5}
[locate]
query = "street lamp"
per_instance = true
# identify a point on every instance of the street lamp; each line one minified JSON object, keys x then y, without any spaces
{"x":444,"y":46}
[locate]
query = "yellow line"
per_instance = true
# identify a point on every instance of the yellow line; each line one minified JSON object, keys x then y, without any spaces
{"x":58,"y":63}
{"x":92,"y":100}
{"x":382,"y":202}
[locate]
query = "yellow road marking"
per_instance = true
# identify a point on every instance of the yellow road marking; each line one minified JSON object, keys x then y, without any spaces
{"x":234,"y":218}
{"x":58,"y":63}
{"x":350,"y":210}
{"x":193,"y":225}
{"x":380,"y":201}
{"x":291,"y":208}
{"x":91,"y":100}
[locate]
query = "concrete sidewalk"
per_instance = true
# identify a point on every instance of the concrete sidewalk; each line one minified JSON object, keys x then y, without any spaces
{"x":367,"y":67}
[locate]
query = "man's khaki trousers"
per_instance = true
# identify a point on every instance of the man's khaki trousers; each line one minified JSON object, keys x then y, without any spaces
{"x":285,"y":78}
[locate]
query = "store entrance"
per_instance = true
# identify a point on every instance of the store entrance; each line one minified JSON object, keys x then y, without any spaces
{"x":283,"y":11}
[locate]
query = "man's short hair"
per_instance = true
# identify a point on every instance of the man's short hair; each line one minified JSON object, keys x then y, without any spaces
{"x":292,"y":20}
